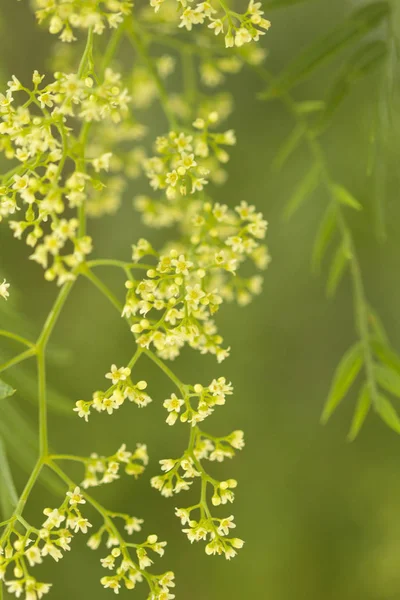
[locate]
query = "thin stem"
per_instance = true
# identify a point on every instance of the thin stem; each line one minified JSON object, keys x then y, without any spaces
{"x":54,"y":314}
{"x":360,"y":302}
{"x":4,"y":523}
{"x":140,"y":47}
{"x":112,"y":46}
{"x":24,"y":497}
{"x":135,"y":358}
{"x":43,"y":433}
{"x":179,"y":384}
{"x":103,"y":289}
{"x":106,"y":515}
{"x":71,"y":457}
{"x":87,"y":57}
{"x":109,"y":262}
{"x":16,"y":337}
{"x":17,"y":359}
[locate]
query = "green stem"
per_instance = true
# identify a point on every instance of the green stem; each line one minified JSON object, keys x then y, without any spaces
{"x":17,"y":359}
{"x":109,"y":262}
{"x":103,"y":289}
{"x":80,"y":459}
{"x":43,"y":433}
{"x":139,"y":46}
{"x":17,"y":338}
{"x":54,"y":314}
{"x":179,"y":384}
{"x":105,"y":514}
{"x":87,"y":57}
{"x":360,"y":302}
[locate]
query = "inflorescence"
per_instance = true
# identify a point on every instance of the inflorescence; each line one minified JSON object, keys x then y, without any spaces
{"x":61,"y":174}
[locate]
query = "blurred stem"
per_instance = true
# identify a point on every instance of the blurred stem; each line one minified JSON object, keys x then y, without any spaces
{"x":361,"y":309}
{"x":109,"y":262}
{"x":139,"y":45}
{"x":189,"y":78}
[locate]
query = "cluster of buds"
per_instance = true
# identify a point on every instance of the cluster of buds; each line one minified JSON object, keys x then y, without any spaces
{"x":101,"y":469}
{"x":112,"y":399}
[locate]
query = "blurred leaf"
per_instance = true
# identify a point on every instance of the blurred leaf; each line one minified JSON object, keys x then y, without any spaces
{"x":324,"y":236}
{"x":344,"y":376}
{"x":57,"y":402}
{"x":8,"y":493}
{"x":344,"y":197}
{"x":361,"y":412}
{"x":309,"y":106}
{"x":386,"y":355}
{"x":388,"y":414}
{"x":337,"y":269}
{"x":5,"y":390}
{"x":303,"y":191}
{"x":364,"y":60}
{"x":388,"y":378}
{"x":288,"y":147}
{"x":358,"y":24}
{"x":21,"y":438}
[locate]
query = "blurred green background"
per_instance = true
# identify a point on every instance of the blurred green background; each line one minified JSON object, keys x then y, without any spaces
{"x":321,"y":517}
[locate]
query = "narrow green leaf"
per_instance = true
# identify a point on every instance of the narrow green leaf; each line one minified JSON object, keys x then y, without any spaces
{"x":337,"y":270}
{"x":8,"y":493}
{"x":367,"y":57}
{"x":324,"y":236}
{"x":361,"y":412}
{"x":302,"y":192}
{"x":386,"y":355}
{"x":388,"y":414}
{"x":344,"y":376}
{"x":358,"y":24}
{"x":5,"y":390}
{"x":344,"y":197}
{"x":288,"y":147}
{"x":388,"y":379}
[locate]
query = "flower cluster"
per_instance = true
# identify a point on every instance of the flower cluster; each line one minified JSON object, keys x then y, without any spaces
{"x":128,"y":572}
{"x":122,"y":388}
{"x":63,"y":16}
{"x":179,"y":475}
{"x":207,"y":398}
{"x":213,"y":71}
{"x":181,"y":167}
{"x":21,"y":551}
{"x":73,"y":143}
{"x":188,"y":285}
{"x":42,"y":144}
{"x":101,"y":469}
{"x":4,"y":293}
{"x":238,"y":28}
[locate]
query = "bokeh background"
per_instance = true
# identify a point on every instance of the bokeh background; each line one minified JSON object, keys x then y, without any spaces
{"x":320,"y":516}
